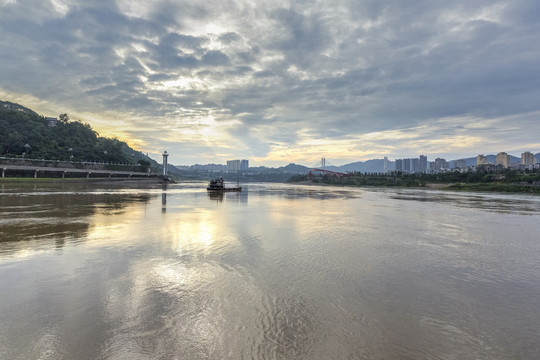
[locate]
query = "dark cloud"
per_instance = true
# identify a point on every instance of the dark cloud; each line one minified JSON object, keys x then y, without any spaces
{"x":263,"y":74}
{"x":215,"y":58}
{"x":161,"y":77}
{"x":229,"y":38}
{"x":174,"y":40}
{"x":341,"y":69}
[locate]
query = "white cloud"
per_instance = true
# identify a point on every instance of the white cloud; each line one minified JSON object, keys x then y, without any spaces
{"x":248,"y":78}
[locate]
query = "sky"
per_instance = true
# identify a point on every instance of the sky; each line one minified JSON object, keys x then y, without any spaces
{"x":278,"y":81}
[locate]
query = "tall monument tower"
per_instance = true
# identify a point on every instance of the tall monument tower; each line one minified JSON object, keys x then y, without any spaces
{"x":165,"y":155}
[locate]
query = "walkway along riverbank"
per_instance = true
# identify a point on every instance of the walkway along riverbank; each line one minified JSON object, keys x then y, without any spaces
{"x":61,"y":169}
{"x":41,"y":171}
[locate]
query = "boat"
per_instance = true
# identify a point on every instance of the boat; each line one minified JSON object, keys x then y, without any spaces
{"x":219,"y":185}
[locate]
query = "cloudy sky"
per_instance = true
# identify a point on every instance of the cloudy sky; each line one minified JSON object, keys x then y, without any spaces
{"x":282,"y":81}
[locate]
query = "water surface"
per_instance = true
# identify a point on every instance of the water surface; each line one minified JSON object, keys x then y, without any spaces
{"x":273,"y":272}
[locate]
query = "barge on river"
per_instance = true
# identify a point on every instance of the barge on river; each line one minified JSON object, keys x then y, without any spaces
{"x":219,"y":185}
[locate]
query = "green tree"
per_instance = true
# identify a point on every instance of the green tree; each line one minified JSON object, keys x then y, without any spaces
{"x":145,"y":164}
{"x":64,"y":118}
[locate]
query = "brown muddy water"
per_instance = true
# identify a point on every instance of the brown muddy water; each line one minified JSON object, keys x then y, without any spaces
{"x":273,"y":272}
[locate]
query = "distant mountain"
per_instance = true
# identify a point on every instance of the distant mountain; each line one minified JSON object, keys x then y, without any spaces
{"x":369,"y":166}
{"x":293,"y":169}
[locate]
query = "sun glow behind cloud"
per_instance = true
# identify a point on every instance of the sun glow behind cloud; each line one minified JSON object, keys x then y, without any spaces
{"x":281,"y":81}
{"x":461,"y":134}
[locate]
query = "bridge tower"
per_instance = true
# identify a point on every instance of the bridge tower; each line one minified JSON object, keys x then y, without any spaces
{"x":165,"y":155}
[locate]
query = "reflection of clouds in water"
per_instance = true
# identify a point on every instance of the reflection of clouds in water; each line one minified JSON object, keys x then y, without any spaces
{"x":42,"y":215}
{"x":183,"y":310}
{"x":289,"y":328}
{"x":488,"y":202}
{"x":203,"y":316}
{"x":369,"y":277}
{"x":48,"y":345}
{"x":305,"y":191}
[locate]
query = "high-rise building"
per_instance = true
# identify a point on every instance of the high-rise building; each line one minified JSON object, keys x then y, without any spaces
{"x":233,"y":165}
{"x":502,"y":159}
{"x":423,"y":163}
{"x":415,"y":164}
{"x":412,"y":165}
{"x":528,"y":158}
{"x":385,"y":163}
{"x":481,"y":160}
{"x":441,"y":164}
{"x":460,"y":164}
{"x":237,"y":165}
{"x":407,"y":165}
{"x":244,"y":164}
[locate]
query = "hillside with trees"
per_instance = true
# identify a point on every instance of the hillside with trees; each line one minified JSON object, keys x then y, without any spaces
{"x":25,"y":134}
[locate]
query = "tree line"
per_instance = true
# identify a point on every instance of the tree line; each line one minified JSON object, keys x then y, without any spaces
{"x":503,"y":180}
{"x":27,"y":134}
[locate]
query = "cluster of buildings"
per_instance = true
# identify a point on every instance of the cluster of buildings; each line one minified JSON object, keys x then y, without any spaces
{"x":237,"y":165}
{"x":421,"y":165}
{"x":502,"y":160}
{"x":528,"y":161}
{"x":412,"y":165}
{"x":231,"y":166}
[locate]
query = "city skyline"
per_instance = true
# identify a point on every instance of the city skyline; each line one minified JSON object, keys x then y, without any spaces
{"x":422,"y":164}
{"x":284,"y":81}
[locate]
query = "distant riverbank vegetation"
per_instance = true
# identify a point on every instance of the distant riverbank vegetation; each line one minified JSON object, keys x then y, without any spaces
{"x":527,"y":181}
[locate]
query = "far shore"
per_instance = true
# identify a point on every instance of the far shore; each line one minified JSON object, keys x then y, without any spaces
{"x":472,"y":187}
{"x":428,"y":186}
{"x":100,"y":180}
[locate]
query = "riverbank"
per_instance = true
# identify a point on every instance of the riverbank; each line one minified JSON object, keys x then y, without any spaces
{"x":104,"y":180}
{"x":477,"y":187}
{"x":494,"y":187}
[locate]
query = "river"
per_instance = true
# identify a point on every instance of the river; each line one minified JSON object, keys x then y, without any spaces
{"x":274,"y":272}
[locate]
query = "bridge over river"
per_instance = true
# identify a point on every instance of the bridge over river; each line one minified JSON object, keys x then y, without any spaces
{"x":47,"y":171}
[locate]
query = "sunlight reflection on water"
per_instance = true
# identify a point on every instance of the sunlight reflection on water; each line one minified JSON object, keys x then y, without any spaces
{"x":276,"y":271}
